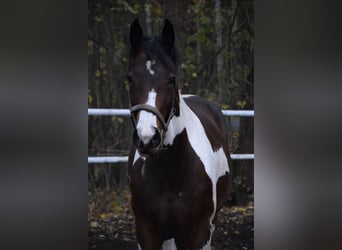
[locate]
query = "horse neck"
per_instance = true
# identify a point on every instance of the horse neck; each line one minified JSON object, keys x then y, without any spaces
{"x":179,"y":123}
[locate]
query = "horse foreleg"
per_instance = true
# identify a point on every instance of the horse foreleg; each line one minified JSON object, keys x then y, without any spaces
{"x":201,"y":238}
{"x":148,"y":237}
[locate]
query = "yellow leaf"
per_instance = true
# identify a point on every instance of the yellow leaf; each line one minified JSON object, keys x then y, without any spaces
{"x":194,"y":74}
{"x":120,"y":120}
{"x":241,"y":209}
{"x":97,"y":73}
{"x":224,"y":106}
{"x":118,"y":209}
{"x":94,"y":224}
{"x":126,"y":85}
{"x":241,"y":104}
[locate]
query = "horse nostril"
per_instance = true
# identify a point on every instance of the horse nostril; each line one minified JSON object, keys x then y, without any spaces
{"x":156,"y":139}
{"x":147,"y":146}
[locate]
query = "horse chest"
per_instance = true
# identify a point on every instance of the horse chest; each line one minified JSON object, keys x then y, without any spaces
{"x":171,"y":191}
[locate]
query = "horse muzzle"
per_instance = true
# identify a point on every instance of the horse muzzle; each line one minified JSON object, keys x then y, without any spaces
{"x":149,"y":144}
{"x":150,"y":141}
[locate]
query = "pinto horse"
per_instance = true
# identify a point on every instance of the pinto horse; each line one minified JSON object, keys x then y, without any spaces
{"x":178,"y":166}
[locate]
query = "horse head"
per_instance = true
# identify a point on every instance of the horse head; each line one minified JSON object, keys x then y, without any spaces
{"x":153,"y":88}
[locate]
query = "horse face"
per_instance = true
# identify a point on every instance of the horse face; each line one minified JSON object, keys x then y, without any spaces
{"x":153,"y":90}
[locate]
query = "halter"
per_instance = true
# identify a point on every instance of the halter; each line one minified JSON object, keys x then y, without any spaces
{"x":153,"y":110}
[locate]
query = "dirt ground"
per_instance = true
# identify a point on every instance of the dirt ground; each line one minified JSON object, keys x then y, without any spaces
{"x":111,"y":225}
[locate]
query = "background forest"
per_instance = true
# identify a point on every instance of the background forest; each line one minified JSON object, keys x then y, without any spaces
{"x":215,"y":42}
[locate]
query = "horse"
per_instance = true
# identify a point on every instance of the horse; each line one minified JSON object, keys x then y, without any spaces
{"x":178,"y":167}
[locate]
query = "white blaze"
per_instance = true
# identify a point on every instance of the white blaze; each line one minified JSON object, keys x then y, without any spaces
{"x":147,"y":121}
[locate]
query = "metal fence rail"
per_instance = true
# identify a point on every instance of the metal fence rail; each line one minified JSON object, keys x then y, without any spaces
{"x":126,"y":112}
{"x":117,"y":159}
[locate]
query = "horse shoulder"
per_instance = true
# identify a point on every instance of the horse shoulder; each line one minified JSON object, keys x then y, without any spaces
{"x":211,"y":119}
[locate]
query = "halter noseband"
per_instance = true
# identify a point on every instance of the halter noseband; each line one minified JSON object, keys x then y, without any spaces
{"x":150,"y":109}
{"x":153,"y":110}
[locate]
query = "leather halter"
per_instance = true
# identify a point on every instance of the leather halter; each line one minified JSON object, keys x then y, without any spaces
{"x":150,"y":109}
{"x":153,"y":110}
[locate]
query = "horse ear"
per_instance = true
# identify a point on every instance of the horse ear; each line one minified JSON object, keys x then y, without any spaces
{"x":168,"y":36}
{"x":136,"y":36}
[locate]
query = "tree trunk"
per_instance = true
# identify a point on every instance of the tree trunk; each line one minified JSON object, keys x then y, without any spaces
{"x":219,"y":59}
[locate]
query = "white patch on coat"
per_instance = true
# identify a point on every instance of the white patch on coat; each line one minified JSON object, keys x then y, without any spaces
{"x":149,"y":64}
{"x":207,"y":245}
{"x":215,"y":162}
{"x":147,"y":120}
{"x":169,"y":245}
{"x":136,"y":157}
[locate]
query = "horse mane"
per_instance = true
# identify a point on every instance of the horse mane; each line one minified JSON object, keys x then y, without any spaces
{"x":153,"y":46}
